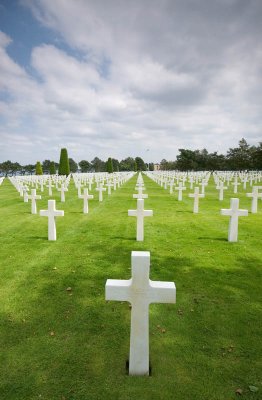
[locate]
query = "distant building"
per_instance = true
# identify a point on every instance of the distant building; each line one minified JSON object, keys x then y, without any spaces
{"x":156,"y":167}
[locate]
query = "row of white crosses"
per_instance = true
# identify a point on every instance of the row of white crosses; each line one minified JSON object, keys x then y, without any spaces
{"x":52,"y":213}
{"x":2,"y":180}
{"x":112,"y":181}
{"x":234,"y":212}
{"x":220,"y":179}
{"x":140,"y":213}
{"x":22,"y":184}
{"x":140,"y":292}
{"x":196,"y":195}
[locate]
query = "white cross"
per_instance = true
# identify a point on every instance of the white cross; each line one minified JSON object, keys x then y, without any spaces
{"x":180,"y":189}
{"x":25,"y":189}
{"x":90,"y":182}
{"x":191,"y":181}
{"x":51,"y":213}
{"x":140,"y":291}
{"x":203,"y":184}
{"x":196,"y":196}
{"x":63,"y":189}
{"x":244,"y":180}
{"x":140,"y":213}
{"x":100,"y":189}
{"x":86,"y":197}
{"x":42,"y":185}
{"x":221,"y":189}
{"x":33,"y":197}
{"x":171,"y":185}
{"x":140,"y":194}
{"x":49,"y":185}
{"x":235,"y":184}
{"x":140,"y":189}
{"x":234,"y":212}
{"x":255,"y":196}
{"x":109,"y":185}
{"x":79,"y":185}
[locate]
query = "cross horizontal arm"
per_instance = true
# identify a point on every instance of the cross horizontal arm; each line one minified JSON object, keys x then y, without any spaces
{"x":148,"y":213}
{"x":224,"y":211}
{"x":118,"y":290}
{"x":132,"y":213}
{"x":162,"y":292}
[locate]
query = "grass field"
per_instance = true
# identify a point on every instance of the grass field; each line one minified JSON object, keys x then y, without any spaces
{"x":59,"y":344}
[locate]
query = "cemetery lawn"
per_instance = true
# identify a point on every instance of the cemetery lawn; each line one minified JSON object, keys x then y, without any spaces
{"x":60,"y":339}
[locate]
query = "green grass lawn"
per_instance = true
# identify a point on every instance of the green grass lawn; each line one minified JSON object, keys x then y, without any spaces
{"x":59,"y":344}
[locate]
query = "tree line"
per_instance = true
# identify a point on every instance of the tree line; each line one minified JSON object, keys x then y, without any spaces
{"x":67,"y":165}
{"x":243,"y":157}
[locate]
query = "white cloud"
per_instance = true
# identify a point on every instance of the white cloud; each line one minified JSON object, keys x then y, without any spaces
{"x":125,"y":77}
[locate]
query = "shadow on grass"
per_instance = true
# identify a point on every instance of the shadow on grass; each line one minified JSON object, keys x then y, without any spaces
{"x":124,"y":238}
{"x":45,"y":238}
{"x":212,"y":238}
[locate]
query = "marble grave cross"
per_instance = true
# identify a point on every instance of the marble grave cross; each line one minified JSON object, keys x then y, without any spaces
{"x":33,"y":197}
{"x":140,"y":291}
{"x":140,"y":213}
{"x":234,"y":212}
{"x":196,"y":195}
{"x":100,"y":189}
{"x":140,"y":194}
{"x":255,"y":196}
{"x":86,"y":197}
{"x":221,"y":189}
{"x":63,"y":189}
{"x":180,"y":189}
{"x":51,"y":213}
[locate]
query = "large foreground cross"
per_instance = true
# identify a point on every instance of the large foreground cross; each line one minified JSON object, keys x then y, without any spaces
{"x":140,"y":291}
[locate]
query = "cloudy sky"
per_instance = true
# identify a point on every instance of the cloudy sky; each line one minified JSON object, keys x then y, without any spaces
{"x":128,"y":77}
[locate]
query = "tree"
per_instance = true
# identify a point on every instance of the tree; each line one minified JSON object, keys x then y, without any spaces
{"x":98,"y":165}
{"x":140,"y":164}
{"x":73,"y":165}
{"x":239,"y":158}
{"x":8,"y":167}
{"x":151,"y":166}
{"x":115,"y":165}
{"x":135,"y":166}
{"x":257,"y":157}
{"x":52,"y":169}
{"x":29,"y":168}
{"x":85,"y":166}
{"x":163,"y":164}
{"x":46,"y":166}
{"x":64,"y":168}
{"x":127,"y":164}
{"x":186,"y":160}
{"x":109,"y":166}
{"x":38,"y":168}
